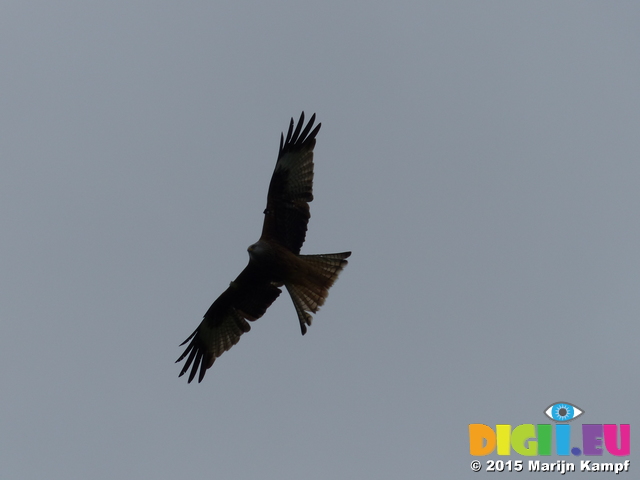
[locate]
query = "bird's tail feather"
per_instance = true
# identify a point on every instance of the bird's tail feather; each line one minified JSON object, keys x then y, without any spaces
{"x":308,"y":294}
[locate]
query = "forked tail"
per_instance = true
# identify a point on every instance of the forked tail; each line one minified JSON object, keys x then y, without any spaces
{"x":310,"y":292}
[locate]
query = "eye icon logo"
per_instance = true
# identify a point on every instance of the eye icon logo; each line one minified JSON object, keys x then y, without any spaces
{"x":563,"y":412}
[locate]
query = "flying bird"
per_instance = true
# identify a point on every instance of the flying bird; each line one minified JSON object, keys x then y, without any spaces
{"x":274,"y":260}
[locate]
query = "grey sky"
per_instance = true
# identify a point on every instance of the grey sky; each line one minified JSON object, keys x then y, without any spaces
{"x":480,"y":159}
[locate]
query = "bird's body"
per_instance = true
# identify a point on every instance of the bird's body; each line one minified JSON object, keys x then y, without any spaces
{"x":274,"y":260}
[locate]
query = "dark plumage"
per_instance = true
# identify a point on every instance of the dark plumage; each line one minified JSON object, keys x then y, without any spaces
{"x":274,"y":260}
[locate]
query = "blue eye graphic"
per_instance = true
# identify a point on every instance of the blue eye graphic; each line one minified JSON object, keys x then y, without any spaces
{"x":563,"y":412}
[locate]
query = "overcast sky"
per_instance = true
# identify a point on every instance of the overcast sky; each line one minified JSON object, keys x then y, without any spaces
{"x":480,"y":159}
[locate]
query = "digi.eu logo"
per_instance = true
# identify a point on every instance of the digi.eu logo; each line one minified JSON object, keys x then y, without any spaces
{"x":538,"y":439}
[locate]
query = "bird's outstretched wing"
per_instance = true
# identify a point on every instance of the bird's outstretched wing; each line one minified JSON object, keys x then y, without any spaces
{"x":247,"y":298}
{"x":291,"y":187}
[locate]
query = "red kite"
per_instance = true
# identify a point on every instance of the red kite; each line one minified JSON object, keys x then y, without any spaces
{"x":274,"y":260}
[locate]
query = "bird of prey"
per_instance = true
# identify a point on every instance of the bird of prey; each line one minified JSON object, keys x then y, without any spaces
{"x":274,"y":260}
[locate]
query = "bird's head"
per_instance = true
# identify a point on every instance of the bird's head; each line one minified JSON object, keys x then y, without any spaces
{"x":258,"y":250}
